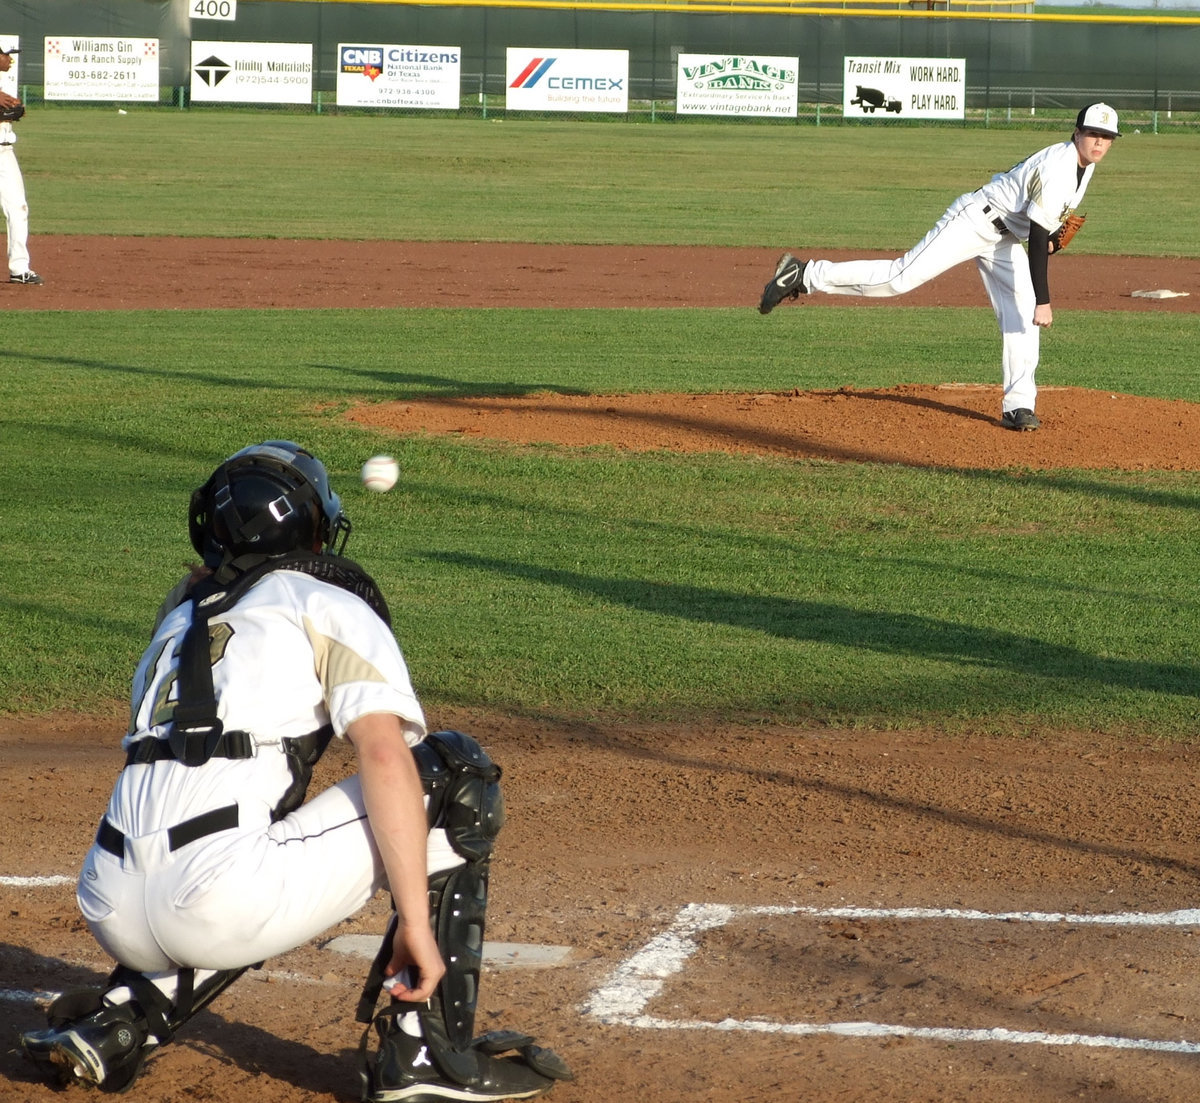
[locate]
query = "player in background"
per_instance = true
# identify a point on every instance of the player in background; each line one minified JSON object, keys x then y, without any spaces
{"x":208,"y":860}
{"x":12,"y":189}
{"x":1031,"y":203}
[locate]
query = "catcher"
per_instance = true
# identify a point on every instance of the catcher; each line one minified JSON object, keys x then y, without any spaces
{"x":208,"y":858}
{"x":1034,"y":202}
{"x":12,"y":185}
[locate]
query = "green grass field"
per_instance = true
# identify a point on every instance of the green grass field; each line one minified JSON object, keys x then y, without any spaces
{"x":548,"y":581}
{"x":247,"y":175}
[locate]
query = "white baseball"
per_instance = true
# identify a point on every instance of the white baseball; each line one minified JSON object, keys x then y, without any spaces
{"x":380,"y":473}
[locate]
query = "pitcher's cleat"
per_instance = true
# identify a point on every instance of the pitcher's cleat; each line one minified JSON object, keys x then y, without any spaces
{"x":787,"y":283}
{"x":1023,"y":421}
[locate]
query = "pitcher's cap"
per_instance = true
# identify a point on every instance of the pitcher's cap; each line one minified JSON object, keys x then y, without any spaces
{"x":1100,"y":118}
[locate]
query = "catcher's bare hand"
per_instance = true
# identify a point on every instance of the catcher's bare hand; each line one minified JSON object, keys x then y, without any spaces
{"x":417,"y":949}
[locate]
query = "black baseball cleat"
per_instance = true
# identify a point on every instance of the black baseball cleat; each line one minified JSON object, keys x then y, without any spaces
{"x":407,"y":1072}
{"x":787,"y":283}
{"x":106,"y":1049}
{"x":26,"y":277}
{"x":1022,"y":420}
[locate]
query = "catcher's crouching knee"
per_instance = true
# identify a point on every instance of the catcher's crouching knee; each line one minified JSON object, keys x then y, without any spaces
{"x":463,"y":786}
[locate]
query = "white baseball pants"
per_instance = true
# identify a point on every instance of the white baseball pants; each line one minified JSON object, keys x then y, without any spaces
{"x":16,"y":211}
{"x":240,"y":896}
{"x":963,"y":233}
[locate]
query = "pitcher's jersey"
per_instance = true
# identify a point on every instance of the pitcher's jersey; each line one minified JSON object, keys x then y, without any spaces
{"x":293,"y":655}
{"x":1044,"y":188}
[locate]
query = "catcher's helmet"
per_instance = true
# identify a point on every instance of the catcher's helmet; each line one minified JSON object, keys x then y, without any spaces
{"x":269,"y":499}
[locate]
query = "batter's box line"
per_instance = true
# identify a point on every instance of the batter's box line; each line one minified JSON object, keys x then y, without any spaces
{"x":52,"y":881}
{"x":622,"y":999}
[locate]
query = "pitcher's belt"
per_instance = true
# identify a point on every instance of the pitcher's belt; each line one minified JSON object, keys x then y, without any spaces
{"x":208,"y":823}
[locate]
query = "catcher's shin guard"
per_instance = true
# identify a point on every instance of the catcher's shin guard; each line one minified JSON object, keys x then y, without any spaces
{"x":458,"y":906}
{"x":448,"y":1062}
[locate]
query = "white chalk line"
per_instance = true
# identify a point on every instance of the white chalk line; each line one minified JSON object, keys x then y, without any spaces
{"x":622,"y":999}
{"x":36,"y":882}
{"x":23,"y":995}
{"x":926,"y":1033}
{"x":45,"y":997}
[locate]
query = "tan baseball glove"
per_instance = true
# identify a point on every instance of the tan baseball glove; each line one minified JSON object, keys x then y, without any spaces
{"x":1061,"y":237}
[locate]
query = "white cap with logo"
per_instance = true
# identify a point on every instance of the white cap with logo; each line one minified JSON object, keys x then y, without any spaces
{"x":1100,"y":118}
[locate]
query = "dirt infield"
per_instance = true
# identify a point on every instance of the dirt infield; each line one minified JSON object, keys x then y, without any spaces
{"x":136,"y":273}
{"x":614,"y":828}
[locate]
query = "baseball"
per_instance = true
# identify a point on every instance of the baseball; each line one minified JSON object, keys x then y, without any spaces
{"x":380,"y":473}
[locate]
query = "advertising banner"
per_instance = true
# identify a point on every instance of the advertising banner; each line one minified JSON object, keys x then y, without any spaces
{"x":252,"y":72}
{"x":123,"y":69}
{"x":736,"y":84}
{"x":905,"y":87}
{"x":398,"y":76}
{"x":567,"y":80}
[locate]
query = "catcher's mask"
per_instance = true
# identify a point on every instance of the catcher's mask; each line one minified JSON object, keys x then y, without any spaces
{"x":266,"y":500}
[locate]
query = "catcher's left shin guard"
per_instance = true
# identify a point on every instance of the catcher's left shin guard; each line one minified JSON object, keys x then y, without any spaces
{"x":446,"y":1061}
{"x":465,"y":801}
{"x":457,"y":906}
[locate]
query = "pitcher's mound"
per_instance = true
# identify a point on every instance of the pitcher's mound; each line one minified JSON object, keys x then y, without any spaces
{"x":951,"y":425}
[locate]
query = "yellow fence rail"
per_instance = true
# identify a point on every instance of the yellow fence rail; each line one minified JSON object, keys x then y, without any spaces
{"x":917,"y":9}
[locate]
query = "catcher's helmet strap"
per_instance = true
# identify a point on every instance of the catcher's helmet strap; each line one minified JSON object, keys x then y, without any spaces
{"x":244,"y":531}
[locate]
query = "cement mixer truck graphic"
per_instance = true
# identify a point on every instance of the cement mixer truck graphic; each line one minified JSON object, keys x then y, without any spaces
{"x":872,"y":100}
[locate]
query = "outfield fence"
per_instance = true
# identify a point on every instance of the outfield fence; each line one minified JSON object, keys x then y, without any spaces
{"x":1023,"y":67}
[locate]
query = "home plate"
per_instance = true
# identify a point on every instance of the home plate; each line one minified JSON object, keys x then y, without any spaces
{"x":499,"y":955}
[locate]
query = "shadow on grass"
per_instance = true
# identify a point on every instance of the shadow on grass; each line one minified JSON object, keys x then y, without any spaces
{"x":319,"y":379}
{"x":886,"y":632}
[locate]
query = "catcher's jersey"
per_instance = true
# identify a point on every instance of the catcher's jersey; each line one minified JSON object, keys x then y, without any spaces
{"x":293,"y":655}
{"x":1044,"y":188}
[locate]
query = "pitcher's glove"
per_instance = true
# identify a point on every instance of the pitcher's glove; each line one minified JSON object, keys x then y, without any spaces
{"x":10,"y":113}
{"x":1061,"y":237}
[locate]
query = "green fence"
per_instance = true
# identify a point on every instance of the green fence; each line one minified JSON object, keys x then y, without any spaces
{"x":1021,"y":68}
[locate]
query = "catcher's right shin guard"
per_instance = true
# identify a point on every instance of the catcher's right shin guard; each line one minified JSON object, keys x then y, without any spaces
{"x":91,"y":1041}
